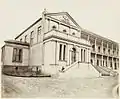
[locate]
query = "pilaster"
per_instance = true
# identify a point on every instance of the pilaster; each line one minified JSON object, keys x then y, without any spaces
{"x":102,"y":59}
{"x":95,"y":45}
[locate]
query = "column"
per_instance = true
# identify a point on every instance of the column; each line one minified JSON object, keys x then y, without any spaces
{"x":79,"y":53}
{"x":107,"y":57}
{"x":95,"y":63}
{"x":48,"y":24}
{"x":69,"y":30}
{"x":83,"y":55}
{"x":116,"y":63}
{"x":102,"y":47}
{"x":67,"y":52}
{"x":107,"y":49}
{"x":89,"y":56}
{"x":112,"y":58}
{"x":56,"y":49}
{"x":58,"y":26}
{"x":112,"y":63}
{"x":108,"y":62}
{"x":95,"y":53}
{"x":115,"y":51}
{"x":102,"y":59}
{"x":112,"y":49}
{"x":95,"y":45}
{"x":88,"y":38}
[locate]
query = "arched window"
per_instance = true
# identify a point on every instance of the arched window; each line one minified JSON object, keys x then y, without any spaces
{"x":54,"y":27}
{"x":99,"y":49}
{"x":73,"y":55}
{"x":64,"y":30}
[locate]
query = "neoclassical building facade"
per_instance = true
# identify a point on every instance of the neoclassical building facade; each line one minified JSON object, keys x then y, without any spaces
{"x":56,"y":42}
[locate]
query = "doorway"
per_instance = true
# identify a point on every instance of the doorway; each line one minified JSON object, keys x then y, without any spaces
{"x":73,"y":55}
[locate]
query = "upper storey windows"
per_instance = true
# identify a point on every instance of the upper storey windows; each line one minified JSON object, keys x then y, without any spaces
{"x":33,"y":36}
{"x":52,"y":24}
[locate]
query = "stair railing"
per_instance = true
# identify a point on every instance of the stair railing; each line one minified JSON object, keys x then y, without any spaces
{"x":70,"y":66}
{"x":104,"y":69}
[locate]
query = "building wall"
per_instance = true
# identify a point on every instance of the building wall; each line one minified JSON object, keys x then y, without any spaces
{"x":50,"y":58}
{"x":52,"y":61}
{"x":38,"y":49}
{"x":36,"y":55}
{"x":104,"y":52}
{"x":61,"y":27}
{"x":8,"y":56}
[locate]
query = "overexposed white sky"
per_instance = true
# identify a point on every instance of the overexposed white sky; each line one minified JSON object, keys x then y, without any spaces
{"x":99,"y":16}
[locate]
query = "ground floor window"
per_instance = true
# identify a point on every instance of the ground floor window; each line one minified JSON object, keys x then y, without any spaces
{"x":84,"y":55}
{"x":62,"y":52}
{"x":81,"y":54}
{"x":17,"y":55}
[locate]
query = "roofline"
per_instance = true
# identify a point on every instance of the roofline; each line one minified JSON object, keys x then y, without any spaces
{"x":89,"y":32}
{"x":28,"y":27}
{"x":17,"y":42}
{"x":62,"y":13}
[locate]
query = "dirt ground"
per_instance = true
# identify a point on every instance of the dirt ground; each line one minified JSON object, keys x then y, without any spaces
{"x":100,"y":87}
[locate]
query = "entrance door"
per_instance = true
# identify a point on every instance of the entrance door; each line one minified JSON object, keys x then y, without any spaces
{"x":73,"y":55}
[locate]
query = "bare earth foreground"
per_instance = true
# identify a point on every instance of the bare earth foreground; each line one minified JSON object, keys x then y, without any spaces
{"x":100,"y":87}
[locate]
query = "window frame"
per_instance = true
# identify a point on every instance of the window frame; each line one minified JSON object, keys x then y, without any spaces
{"x":60,"y":52}
{"x":17,"y":55}
{"x":38,"y":32}
{"x":31,"y":37}
{"x":64,"y":52}
{"x":25,"y":39}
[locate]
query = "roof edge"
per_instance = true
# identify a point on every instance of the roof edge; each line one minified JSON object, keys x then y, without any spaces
{"x":17,"y":42}
{"x":28,"y":27}
{"x":92,"y":33}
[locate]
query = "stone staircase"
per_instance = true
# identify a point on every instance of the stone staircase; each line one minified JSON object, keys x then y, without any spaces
{"x":104,"y":71}
{"x":79,"y":70}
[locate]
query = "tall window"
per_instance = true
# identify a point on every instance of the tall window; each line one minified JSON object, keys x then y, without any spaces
{"x":73,"y":55}
{"x":60,"y":52}
{"x":104,"y":50}
{"x":38,"y":33}
{"x":64,"y":52}
{"x":81,"y":54}
{"x":115,"y":66}
{"x":99,"y":49}
{"x":17,"y":55}
{"x":31,"y":37}
{"x":84,"y":55}
{"x":25,"y":38}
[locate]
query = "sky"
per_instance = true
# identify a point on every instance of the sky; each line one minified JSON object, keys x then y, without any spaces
{"x":99,"y":16}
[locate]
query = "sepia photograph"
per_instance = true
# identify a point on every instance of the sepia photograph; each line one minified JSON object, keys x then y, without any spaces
{"x":60,"y":48}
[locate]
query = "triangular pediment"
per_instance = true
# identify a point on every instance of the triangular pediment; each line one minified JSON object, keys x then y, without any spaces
{"x":64,"y":17}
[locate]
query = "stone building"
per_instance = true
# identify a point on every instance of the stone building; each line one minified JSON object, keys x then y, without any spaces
{"x":55,"y":42}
